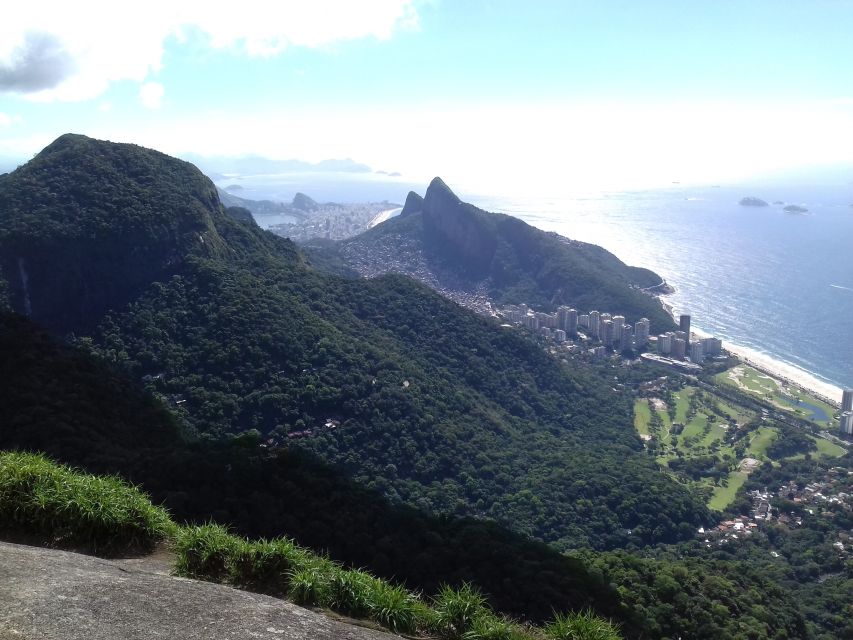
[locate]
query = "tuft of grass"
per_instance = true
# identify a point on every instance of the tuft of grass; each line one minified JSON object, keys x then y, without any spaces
{"x":309,"y":586}
{"x":68,"y":508}
{"x":456,"y":610}
{"x":490,"y":627}
{"x":582,"y":626}
{"x":395,"y":608}
{"x":205,"y":552}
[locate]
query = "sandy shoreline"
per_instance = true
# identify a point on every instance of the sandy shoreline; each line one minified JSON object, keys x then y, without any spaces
{"x":382,"y":216}
{"x":783,"y":371}
{"x":827,"y":392}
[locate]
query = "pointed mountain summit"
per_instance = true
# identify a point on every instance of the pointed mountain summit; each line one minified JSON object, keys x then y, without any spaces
{"x":414,"y":204}
{"x":464,"y":251}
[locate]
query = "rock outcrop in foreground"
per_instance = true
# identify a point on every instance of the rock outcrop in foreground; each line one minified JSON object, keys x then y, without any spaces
{"x":65,"y":596}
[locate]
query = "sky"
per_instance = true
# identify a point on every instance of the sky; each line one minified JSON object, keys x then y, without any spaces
{"x":497,"y":95}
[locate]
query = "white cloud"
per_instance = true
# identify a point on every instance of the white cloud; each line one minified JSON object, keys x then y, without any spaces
{"x":529,"y":147}
{"x":60,"y":50}
{"x":6,"y":120}
{"x":151,"y":94}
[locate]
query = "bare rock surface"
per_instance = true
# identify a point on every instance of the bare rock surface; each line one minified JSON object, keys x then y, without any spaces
{"x":49,"y":594}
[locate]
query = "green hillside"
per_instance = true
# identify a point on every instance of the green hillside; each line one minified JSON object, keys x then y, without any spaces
{"x":288,"y":494}
{"x":427,"y":403}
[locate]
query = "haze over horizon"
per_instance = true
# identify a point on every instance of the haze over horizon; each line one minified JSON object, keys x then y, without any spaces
{"x":488,"y":94}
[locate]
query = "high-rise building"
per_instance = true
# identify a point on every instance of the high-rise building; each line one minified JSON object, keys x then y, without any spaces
{"x":560,"y":335}
{"x":547,"y":319}
{"x":697,"y":354}
{"x":606,"y":332}
{"x":572,"y":323}
{"x":665,"y":344}
{"x":845,"y":423}
{"x":679,"y":348}
{"x":618,"y":323}
{"x":847,"y":400}
{"x":641,"y":333}
{"x":583,"y":320}
{"x":627,"y":339}
{"x":595,"y":324}
{"x":684,"y":325}
{"x":712,"y":347}
{"x":562,"y":317}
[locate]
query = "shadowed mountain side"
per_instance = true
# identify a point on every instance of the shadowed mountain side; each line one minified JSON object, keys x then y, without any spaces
{"x":94,"y":417}
{"x":455,"y":247}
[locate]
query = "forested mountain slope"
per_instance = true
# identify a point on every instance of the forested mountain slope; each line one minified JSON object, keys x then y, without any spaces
{"x":401,"y":389}
{"x":91,"y":414}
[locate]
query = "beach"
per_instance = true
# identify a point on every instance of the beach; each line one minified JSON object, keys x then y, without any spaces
{"x":382,"y":216}
{"x":829,"y":393}
{"x":785,"y":372}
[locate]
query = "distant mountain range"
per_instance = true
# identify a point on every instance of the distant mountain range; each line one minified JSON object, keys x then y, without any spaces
{"x":300,"y":207}
{"x":221,"y":166}
{"x":459,"y":249}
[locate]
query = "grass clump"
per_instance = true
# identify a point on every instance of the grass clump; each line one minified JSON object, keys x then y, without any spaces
{"x":457,"y":609}
{"x":582,"y":626}
{"x":67,"y":508}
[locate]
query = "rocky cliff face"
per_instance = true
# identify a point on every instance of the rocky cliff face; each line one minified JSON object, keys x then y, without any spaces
{"x":455,"y":224}
{"x":58,"y":595}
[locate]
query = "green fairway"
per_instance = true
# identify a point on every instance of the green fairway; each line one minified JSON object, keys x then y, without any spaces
{"x":829,"y":449}
{"x":642,"y":416}
{"x":779,"y":394}
{"x":723,"y":496}
{"x":711,"y":426}
{"x":762,"y":438}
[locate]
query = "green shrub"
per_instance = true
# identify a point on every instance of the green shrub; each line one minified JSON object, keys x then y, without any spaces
{"x":582,"y":626}
{"x":205,"y":552}
{"x":395,"y":608}
{"x":264,"y":565}
{"x":350,"y":592}
{"x":68,"y":508}
{"x":456,"y":610}
{"x":309,"y":586}
{"x":488,"y":626}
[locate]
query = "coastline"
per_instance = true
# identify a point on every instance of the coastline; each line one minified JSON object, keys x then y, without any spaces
{"x":382,"y":216}
{"x":787,"y":373}
{"x":782,"y":371}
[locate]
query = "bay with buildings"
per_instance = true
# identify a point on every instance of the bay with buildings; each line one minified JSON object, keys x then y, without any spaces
{"x":748,"y":275}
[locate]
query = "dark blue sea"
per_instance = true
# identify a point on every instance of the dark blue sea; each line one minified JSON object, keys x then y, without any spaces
{"x":777,"y":283}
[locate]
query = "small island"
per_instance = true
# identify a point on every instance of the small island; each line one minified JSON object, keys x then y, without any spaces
{"x":751,"y":201}
{"x":795,"y":208}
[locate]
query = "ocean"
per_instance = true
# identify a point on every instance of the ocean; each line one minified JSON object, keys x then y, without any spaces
{"x":779,"y":285}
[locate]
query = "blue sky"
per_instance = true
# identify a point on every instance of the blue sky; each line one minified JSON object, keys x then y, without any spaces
{"x":595,"y":94}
